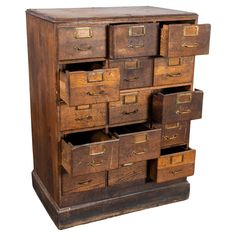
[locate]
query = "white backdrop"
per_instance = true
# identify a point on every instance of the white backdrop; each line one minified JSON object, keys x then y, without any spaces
{"x":211,"y":208}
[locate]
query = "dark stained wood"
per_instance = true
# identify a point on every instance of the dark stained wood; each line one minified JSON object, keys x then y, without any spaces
{"x":42,"y":73}
{"x":134,"y":72}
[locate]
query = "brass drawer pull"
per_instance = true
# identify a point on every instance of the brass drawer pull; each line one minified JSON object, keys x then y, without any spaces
{"x":134,"y":79}
{"x":140,"y":153}
{"x":94,"y":164}
{"x":130,"y":112}
{"x":178,"y":112}
{"x":128,"y":164}
{"x":187,"y":45}
{"x":85,"y":182}
{"x":79,"y":48}
{"x":102,"y":92}
{"x":176,"y":172}
{"x":174,"y":75}
{"x":167,"y":138}
{"x":136,"y":46}
{"x":84,"y":118}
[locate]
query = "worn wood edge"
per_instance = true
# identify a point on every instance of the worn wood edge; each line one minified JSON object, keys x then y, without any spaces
{"x":89,"y":212}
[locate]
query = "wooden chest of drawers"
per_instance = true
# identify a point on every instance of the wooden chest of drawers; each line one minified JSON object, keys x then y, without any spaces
{"x":112,"y":98}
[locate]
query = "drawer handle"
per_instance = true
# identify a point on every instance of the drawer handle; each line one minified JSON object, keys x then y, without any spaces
{"x":176,"y":172}
{"x":128,"y":164}
{"x":102,"y":92}
{"x":79,"y":48}
{"x":130,"y":112}
{"x":167,"y":138}
{"x":85,"y":182}
{"x":136,"y":46}
{"x":134,"y":79}
{"x":187,"y":45}
{"x":178,"y":112}
{"x":174,"y":75}
{"x":94,"y":164}
{"x":140,"y":153}
{"x":84,"y":118}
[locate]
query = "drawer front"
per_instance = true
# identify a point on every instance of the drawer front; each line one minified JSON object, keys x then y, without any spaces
{"x":173,"y":173}
{"x":135,"y":72}
{"x":184,"y":40}
{"x":82,"y":117}
{"x":133,"y":172}
{"x":83,"y":182}
{"x":173,"y":71}
{"x":82,"y":42}
{"x":139,"y":146}
{"x":98,"y":86}
{"x":133,"y":40}
{"x":174,"y":107}
{"x":90,"y":158}
{"x":132,"y":107}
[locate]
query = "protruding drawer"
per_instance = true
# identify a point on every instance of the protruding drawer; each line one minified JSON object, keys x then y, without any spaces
{"x":184,"y":40}
{"x":174,"y":134}
{"x":174,"y":163}
{"x":132,"y":107}
{"x":133,"y":40}
{"x":89,"y":152}
{"x":81,"y":42}
{"x":82,"y":183}
{"x":137,"y":143}
{"x":83,"y":116}
{"x":133,"y":172}
{"x":135,"y":72}
{"x":169,"y":106}
{"x":173,"y":71}
{"x":89,"y":87}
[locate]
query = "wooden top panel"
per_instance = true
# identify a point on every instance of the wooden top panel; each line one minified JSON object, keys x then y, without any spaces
{"x":74,"y":14}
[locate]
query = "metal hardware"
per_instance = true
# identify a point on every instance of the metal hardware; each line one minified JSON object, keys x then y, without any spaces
{"x":96,"y":150}
{"x":80,"y":48}
{"x":136,"y":46}
{"x":176,"y":172}
{"x":134,"y":79}
{"x":140,"y":153}
{"x":174,"y":75}
{"x":95,"y":76}
{"x":84,"y":118}
{"x":85,"y":182}
{"x":167,"y":138}
{"x":83,"y":32}
{"x":172,"y":125}
{"x":174,"y":61}
{"x":136,"y":31}
{"x":184,"y":98}
{"x":190,"y":45}
{"x":131,"y":65}
{"x":191,"y":30}
{"x":178,"y":112}
{"x":102,"y":92}
{"x":130,"y":99}
{"x":140,"y":138}
{"x":130,"y":112}
{"x":128,"y":164}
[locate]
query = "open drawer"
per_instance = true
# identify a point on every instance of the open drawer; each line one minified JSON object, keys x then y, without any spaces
{"x":172,"y":106}
{"x":174,"y":163}
{"x":137,"y":143}
{"x":89,"y":87}
{"x":184,"y":40}
{"x":89,"y":152}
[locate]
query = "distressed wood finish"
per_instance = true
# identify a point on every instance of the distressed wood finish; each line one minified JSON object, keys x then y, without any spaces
{"x":173,"y":71}
{"x":134,"y":72}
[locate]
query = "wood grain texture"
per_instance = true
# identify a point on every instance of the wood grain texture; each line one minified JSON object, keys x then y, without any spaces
{"x":43,"y":96}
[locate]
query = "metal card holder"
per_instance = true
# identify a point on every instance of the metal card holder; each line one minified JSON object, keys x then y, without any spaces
{"x":184,"y":98}
{"x":132,"y":65}
{"x":83,"y":32}
{"x":136,"y":31}
{"x":191,"y":30}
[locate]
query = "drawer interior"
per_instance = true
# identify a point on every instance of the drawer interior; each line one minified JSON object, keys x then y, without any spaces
{"x":173,"y":150}
{"x":179,"y":89}
{"x":84,"y":66}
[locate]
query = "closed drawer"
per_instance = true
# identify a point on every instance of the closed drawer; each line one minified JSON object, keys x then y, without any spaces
{"x":132,"y":107}
{"x":133,"y":172}
{"x":82,"y":183}
{"x":133,"y":40}
{"x":173,"y":71}
{"x":88,"y":87}
{"x":81,"y":42}
{"x":169,"y":106}
{"x":184,"y":40}
{"x":174,"y":163}
{"x":83,"y":116}
{"x":137,"y":143}
{"x":135,"y":72}
{"x":89,"y":152}
{"x":173,"y":134}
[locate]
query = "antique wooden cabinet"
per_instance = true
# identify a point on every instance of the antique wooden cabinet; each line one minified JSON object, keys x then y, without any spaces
{"x":112,"y":98}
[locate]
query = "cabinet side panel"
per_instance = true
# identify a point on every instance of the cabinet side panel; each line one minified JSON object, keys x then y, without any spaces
{"x":42,"y":74}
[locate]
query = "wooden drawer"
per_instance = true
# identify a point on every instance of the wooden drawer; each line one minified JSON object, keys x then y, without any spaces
{"x":89,"y":152}
{"x":133,"y":40}
{"x":83,"y":116}
{"x":173,"y":71}
{"x":169,"y":106}
{"x":82,"y":183}
{"x":174,"y":163}
{"x":131,"y":173}
{"x":137,"y":143}
{"x":174,"y":134}
{"x":88,"y":87}
{"x":184,"y":40}
{"x":135,"y":72}
{"x":81,"y":42}
{"x":132,"y":107}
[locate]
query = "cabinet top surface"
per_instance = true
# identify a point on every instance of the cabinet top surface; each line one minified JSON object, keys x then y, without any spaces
{"x":72,"y":14}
